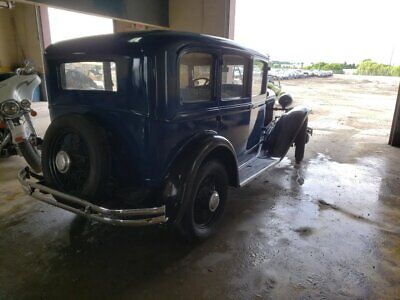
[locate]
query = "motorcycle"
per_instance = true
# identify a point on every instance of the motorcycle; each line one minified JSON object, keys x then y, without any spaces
{"x":17,"y":134}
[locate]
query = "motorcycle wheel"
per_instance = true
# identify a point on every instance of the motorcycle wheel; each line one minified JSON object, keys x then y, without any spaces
{"x":31,"y":155}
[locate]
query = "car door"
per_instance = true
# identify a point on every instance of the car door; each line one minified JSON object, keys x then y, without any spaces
{"x":198,"y":105}
{"x":235,"y":101}
{"x":258,"y":98}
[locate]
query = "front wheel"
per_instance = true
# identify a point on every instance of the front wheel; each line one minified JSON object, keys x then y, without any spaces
{"x":207,"y":201}
{"x":31,"y":155}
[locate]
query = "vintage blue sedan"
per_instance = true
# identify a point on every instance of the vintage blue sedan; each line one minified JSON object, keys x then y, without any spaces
{"x":153,"y":127}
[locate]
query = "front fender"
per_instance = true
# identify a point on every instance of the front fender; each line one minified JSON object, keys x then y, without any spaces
{"x":182,"y":172}
{"x":284,"y":133}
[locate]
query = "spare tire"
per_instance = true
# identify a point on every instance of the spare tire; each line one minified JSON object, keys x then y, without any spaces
{"x":76,"y":157}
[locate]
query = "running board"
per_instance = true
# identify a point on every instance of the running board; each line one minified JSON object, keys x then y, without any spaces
{"x":255,"y":167}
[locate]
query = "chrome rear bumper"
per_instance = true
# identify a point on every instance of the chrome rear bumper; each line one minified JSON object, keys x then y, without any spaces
{"x":124,"y":217}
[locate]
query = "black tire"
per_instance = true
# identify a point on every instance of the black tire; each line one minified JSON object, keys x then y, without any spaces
{"x":197,"y":224}
{"x":85,"y":141}
{"x":31,"y":155}
{"x":300,"y":142}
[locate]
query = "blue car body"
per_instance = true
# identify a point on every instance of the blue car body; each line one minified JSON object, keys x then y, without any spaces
{"x":146,"y":114}
{"x":159,"y":141}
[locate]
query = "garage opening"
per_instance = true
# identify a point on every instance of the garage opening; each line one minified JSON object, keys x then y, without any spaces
{"x":339,"y":59}
{"x":65,"y":25}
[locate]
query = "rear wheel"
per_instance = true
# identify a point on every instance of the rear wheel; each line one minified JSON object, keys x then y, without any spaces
{"x":207,"y":201}
{"x":76,"y":158}
{"x":300,"y":142}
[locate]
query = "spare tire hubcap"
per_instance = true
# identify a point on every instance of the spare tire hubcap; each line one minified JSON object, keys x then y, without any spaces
{"x":214,"y":201}
{"x":63,"y":161}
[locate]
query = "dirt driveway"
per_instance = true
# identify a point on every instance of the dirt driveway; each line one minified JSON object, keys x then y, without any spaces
{"x":363,"y":105}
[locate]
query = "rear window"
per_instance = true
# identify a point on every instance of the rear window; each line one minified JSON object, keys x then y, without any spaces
{"x":89,"y":76}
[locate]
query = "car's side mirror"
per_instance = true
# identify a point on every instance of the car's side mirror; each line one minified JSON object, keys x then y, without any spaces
{"x":285,"y":100}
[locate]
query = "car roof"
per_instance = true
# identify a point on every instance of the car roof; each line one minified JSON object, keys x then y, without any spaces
{"x":128,"y":43}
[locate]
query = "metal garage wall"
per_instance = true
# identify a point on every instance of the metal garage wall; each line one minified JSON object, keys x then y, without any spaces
{"x":124,"y":26}
{"x":394,"y":139}
{"x":203,"y":16}
{"x":149,"y":11}
{"x":19,"y":37}
{"x":8,"y":53}
{"x":28,"y":38}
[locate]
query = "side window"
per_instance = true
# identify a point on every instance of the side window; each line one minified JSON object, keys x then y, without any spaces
{"x":258,"y":78}
{"x":234,"y":76}
{"x":195,"y":79}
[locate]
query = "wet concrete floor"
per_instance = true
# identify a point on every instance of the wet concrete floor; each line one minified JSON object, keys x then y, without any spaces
{"x":328,"y":228}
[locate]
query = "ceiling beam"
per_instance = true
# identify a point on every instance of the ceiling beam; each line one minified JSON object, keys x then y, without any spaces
{"x":149,"y":12}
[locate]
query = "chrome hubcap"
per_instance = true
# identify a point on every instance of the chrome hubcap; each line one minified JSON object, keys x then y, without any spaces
{"x":214,"y":201}
{"x":63,"y":162}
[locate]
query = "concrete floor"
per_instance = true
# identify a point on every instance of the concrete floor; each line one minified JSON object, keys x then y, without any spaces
{"x":327,"y":229}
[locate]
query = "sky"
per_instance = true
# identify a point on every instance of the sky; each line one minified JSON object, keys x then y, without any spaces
{"x":317,"y":30}
{"x":66,"y":25}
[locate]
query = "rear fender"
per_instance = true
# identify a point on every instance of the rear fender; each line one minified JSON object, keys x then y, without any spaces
{"x":181,"y":176}
{"x":285,"y":131}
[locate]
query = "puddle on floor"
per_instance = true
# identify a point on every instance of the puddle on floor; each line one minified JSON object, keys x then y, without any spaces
{"x":342,"y":183}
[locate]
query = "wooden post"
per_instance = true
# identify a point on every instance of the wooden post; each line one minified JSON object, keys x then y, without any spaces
{"x":394,"y":139}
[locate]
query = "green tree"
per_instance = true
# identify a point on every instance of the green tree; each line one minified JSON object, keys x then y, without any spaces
{"x":336,"y":68}
{"x":369,"y":67}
